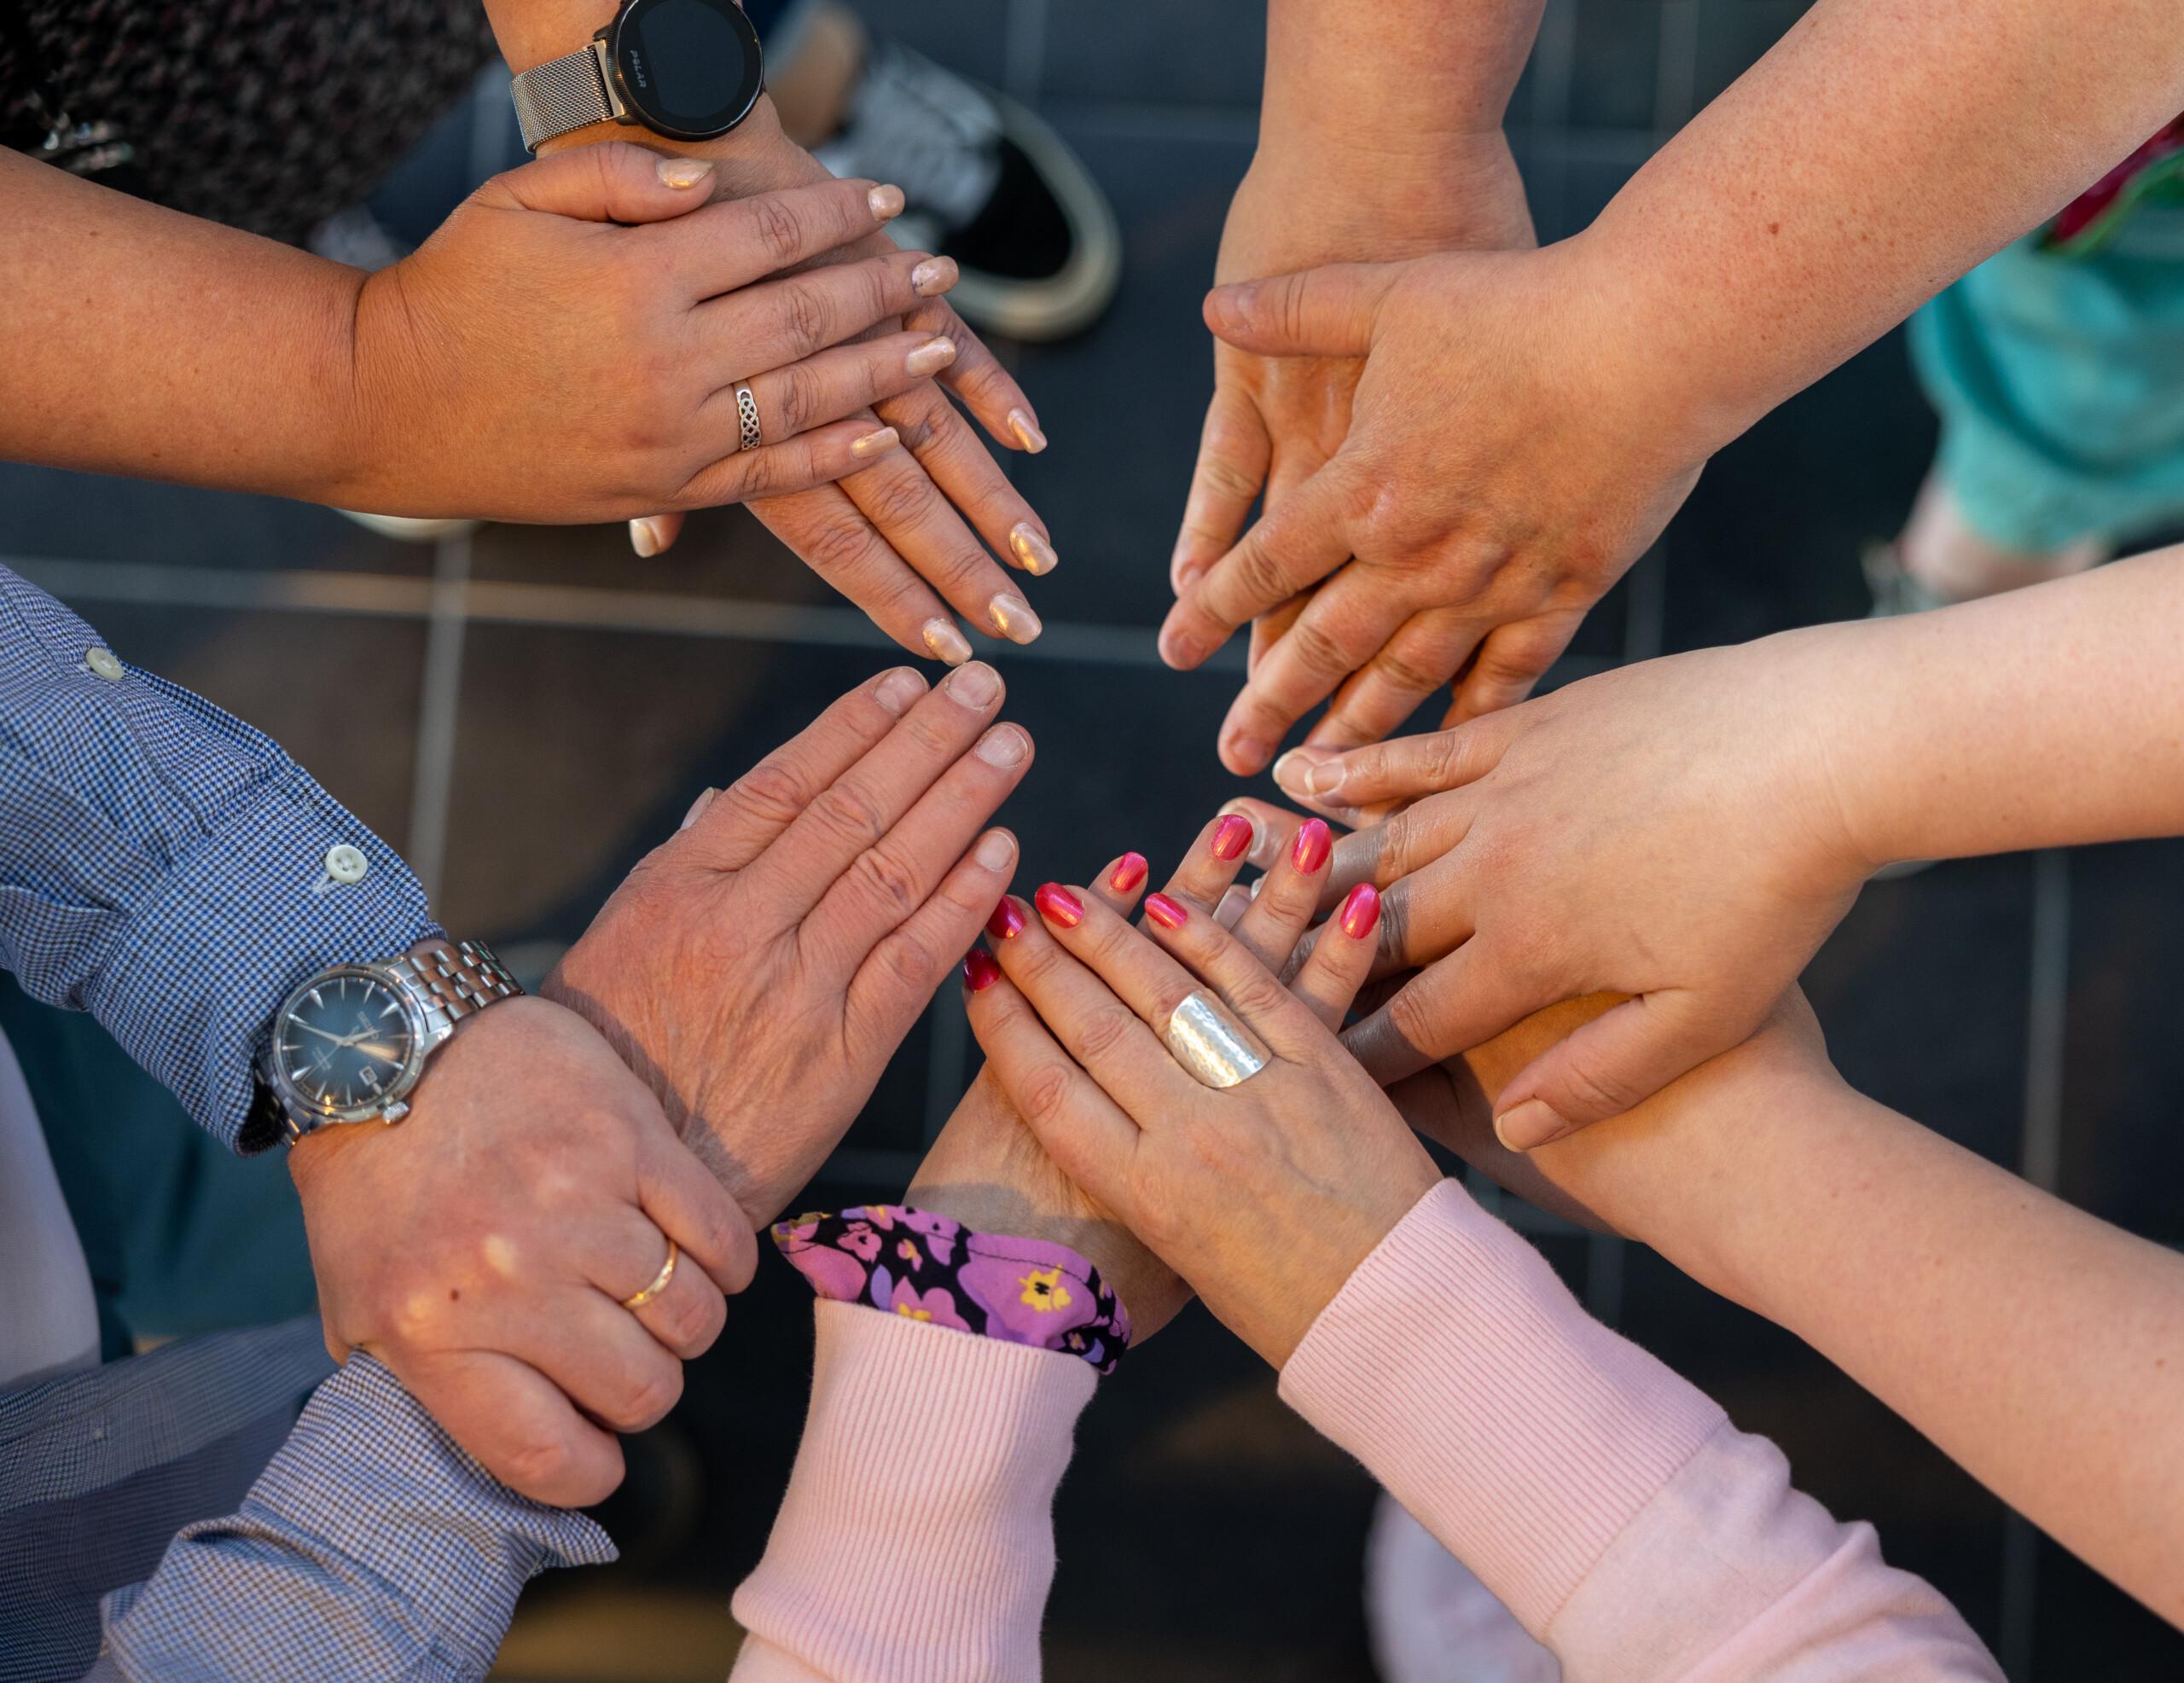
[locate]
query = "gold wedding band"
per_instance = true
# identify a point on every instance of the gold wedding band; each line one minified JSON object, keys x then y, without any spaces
{"x":659,"y":1280}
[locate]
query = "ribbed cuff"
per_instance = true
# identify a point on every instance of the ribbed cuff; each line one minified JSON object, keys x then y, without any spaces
{"x":1520,"y":1432}
{"x":916,"y":1539}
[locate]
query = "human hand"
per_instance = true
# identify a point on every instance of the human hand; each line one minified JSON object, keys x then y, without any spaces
{"x":483,"y":1247}
{"x":759,"y":969}
{"x":566,"y":346}
{"x":1507,"y":457}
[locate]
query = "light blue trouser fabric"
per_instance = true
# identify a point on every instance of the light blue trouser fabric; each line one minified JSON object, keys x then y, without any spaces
{"x":2060,"y":384}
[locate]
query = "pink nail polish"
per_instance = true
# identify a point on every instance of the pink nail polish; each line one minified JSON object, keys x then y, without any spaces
{"x":1058,"y":905}
{"x":1313,"y":844}
{"x":1231,"y":836}
{"x":1360,"y":911}
{"x":1165,"y":912}
{"x":1007,"y":921}
{"x":1130,"y":871}
{"x":979,"y":970}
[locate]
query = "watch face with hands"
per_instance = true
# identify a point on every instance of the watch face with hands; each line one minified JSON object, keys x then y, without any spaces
{"x":687,"y":69}
{"x":346,"y":1044}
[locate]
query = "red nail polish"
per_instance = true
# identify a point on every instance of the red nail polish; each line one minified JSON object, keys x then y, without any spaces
{"x":979,"y":970}
{"x":1059,"y":905}
{"x":1231,"y":836}
{"x":1006,"y":922}
{"x":1129,"y":872}
{"x":1360,"y":911}
{"x":1313,"y":844}
{"x":1165,"y":912}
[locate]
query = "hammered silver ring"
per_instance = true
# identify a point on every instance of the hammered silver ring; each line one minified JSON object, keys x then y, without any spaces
{"x":746,"y":413}
{"x":1209,"y":1041}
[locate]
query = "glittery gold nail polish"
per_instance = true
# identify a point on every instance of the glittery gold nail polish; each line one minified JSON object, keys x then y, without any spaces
{"x":1012,"y":617}
{"x":1037,"y":555}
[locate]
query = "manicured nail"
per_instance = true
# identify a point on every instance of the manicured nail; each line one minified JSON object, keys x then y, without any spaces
{"x":1130,"y":871}
{"x":1034,"y":551}
{"x":974,"y":685}
{"x":1324,"y":779}
{"x":697,"y":808}
{"x":1313,"y":844}
{"x":1027,"y":431}
{"x":996,"y":851}
{"x":875,"y":444}
{"x":979,"y":970}
{"x":684,"y":171}
{"x":646,"y":537}
{"x":1360,"y":911}
{"x":1007,"y":922}
{"x":1231,"y":836}
{"x":886,"y":202}
{"x":1165,"y":912}
{"x":899,"y":691}
{"x":933,"y":276}
{"x":1058,"y":905}
{"x":946,"y":643}
{"x":1004,"y":745}
{"x":1012,"y":617}
{"x":930,"y":357}
{"x":1531,"y":1124}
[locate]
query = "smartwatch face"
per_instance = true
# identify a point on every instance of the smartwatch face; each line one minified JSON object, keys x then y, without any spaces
{"x":346,"y":1043}
{"x":690,"y":69}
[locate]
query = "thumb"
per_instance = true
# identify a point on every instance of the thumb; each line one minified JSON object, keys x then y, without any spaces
{"x":1315,"y":312}
{"x":614,"y":182}
{"x":1613,"y":1064}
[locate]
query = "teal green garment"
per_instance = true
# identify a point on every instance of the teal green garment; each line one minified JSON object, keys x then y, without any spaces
{"x":2060,"y":384}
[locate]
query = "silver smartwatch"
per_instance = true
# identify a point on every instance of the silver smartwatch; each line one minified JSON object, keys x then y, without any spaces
{"x":350,"y":1044}
{"x":687,"y":69}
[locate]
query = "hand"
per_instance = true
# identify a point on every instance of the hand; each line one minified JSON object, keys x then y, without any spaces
{"x":1669,"y":831}
{"x":538,"y":359}
{"x":482,"y":1247}
{"x":1264,"y":1196}
{"x":760,"y":969}
{"x":1507,"y":460}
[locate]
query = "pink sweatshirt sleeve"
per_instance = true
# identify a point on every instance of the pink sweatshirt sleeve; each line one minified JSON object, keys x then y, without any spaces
{"x":916,"y":1539}
{"x":1611,"y":1506}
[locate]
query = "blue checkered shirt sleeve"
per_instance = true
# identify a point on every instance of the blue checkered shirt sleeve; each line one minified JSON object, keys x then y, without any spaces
{"x":164,"y":866}
{"x":371,"y":1550}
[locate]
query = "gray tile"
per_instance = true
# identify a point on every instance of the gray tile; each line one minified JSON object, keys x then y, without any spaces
{"x":1212,"y":52}
{"x":1736,"y":34}
{"x":1616,"y":69}
{"x":969,"y":36}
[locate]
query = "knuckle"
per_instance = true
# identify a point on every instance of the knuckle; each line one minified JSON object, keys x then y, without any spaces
{"x":1257,"y":996}
{"x":887,"y":880}
{"x":1317,"y":652}
{"x":838,"y":547}
{"x":1599,"y":1090}
{"x":1399,"y":673}
{"x":914,"y":962}
{"x":1223,"y":474}
{"x":803,"y":317}
{"x":776,"y":228}
{"x":850,"y":814}
{"x":1042,"y":1093}
{"x":1107,"y":1031}
{"x":649,"y":1395}
{"x":1258,"y":570}
{"x":539,"y":1464}
{"x":921,"y":418}
{"x":798,"y":401}
{"x":1409,"y":1015}
{"x":895,"y":500}
{"x":1394,"y":924}
{"x":690,"y":1324}
{"x":771,"y":792}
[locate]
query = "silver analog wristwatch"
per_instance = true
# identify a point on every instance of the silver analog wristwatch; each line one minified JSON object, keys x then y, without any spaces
{"x":687,"y":69}
{"x":350,"y":1044}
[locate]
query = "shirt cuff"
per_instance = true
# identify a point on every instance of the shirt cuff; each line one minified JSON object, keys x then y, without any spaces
{"x":371,"y":1547}
{"x":193,"y":979}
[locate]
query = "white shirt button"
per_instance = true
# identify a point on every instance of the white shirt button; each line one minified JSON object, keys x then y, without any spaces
{"x":102,"y":662}
{"x":346,"y":864}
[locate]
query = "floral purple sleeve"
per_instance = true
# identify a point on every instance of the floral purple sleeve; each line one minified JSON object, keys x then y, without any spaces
{"x":909,"y":1263}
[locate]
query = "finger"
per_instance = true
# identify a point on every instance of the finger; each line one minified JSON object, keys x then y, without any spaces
{"x":518,"y":1425}
{"x":1211,"y":861}
{"x":601,"y":1354}
{"x":908,"y":514}
{"x":1612,"y":1063}
{"x":745,"y":818}
{"x":1314,"y":312}
{"x":685,"y":1314}
{"x":1287,"y":897}
{"x":825,"y":387}
{"x":655,"y":534}
{"x":1234,"y":453}
{"x":733,"y":242}
{"x":1349,"y":623}
{"x":615,"y":182}
{"x":1418,"y":661}
{"x":1512,"y":661}
{"x":896,"y":982}
{"x":680,"y":1196}
{"x":1273,"y":828}
{"x":1328,"y":979}
{"x":810,"y":459}
{"x":1122,"y":882}
{"x":979,"y":382}
{"x":963,"y":472}
{"x":1270,"y":627}
{"x":1404,"y":769}
{"x":1251,"y":989}
{"x":1288,"y":549}
{"x":782,"y":322}
{"x":830,"y":533}
{"x":1463,"y":1001}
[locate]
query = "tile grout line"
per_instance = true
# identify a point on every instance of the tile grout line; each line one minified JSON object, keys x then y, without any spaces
{"x":440,"y":700}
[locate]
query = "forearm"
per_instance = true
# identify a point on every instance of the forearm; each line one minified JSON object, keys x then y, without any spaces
{"x":144,"y":342}
{"x":1880,"y":150}
{"x":1328,"y":65}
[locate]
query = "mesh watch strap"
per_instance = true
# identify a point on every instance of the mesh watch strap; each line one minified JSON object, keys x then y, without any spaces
{"x":562,"y":94}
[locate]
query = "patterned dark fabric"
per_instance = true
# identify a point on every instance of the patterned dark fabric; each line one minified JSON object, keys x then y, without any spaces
{"x":269,"y":115}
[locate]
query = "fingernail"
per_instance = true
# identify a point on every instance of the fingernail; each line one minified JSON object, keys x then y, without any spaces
{"x":1248,"y":751}
{"x":886,"y":201}
{"x":930,"y":357}
{"x":1129,"y":872}
{"x":1012,"y":617}
{"x":1360,"y":911}
{"x":1034,"y":551}
{"x":1231,"y":836}
{"x":874,"y":444}
{"x":1178,"y":650}
{"x":933,"y":276}
{"x":1531,"y":1124}
{"x":1027,"y":431}
{"x":946,"y":643}
{"x":1058,"y":905}
{"x":1004,"y":745}
{"x":898,"y":691}
{"x":1293,"y":771}
{"x":684,"y":171}
{"x":697,"y":808}
{"x":974,"y":685}
{"x":1313,"y":844}
{"x":979,"y":970}
{"x":996,"y":850}
{"x":1007,"y":921}
{"x":1165,"y":912}
{"x":646,"y":537}
{"x":1324,"y":779}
